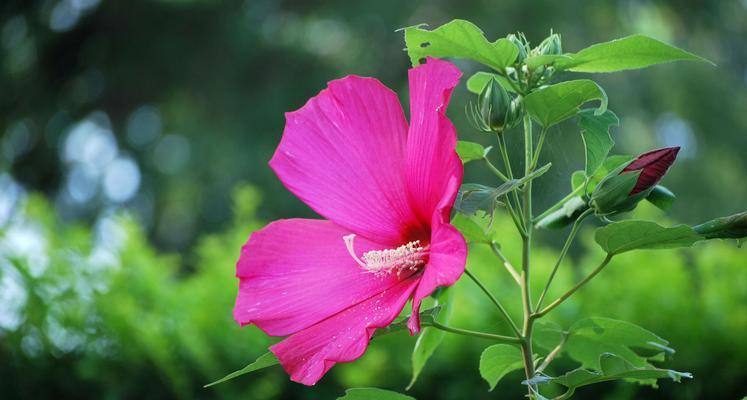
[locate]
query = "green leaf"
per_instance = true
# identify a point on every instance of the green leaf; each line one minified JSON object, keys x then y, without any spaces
{"x":472,"y":231}
{"x":476,"y":83}
{"x":265,"y":360}
{"x":547,"y":334}
{"x":623,"y":236}
{"x":613,"y":367}
{"x":461,"y":39}
{"x":632,"y":52}
{"x":535,"y":61}
{"x":661,"y":197}
{"x":556,"y":103}
{"x":596,"y":136}
{"x":470,"y":151}
{"x":430,"y":338}
{"x":588,"y":338}
{"x":373,"y":394}
{"x":497,"y":361}
{"x":474,"y":197}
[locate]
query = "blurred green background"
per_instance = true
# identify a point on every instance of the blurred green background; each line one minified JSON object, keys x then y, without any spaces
{"x":133,"y":150}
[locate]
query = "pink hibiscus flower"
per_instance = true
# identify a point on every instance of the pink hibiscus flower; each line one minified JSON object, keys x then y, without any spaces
{"x":386,"y":191}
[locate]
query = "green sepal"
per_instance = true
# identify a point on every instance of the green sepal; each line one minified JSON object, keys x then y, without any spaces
{"x":612,"y":195}
{"x":661,"y":197}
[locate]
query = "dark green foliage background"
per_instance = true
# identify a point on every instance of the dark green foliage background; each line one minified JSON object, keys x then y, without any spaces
{"x":221,"y":74}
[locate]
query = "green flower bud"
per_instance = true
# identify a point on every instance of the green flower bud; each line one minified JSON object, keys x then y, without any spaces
{"x":514,"y":112}
{"x":623,"y":188}
{"x":536,"y":75}
{"x":494,"y":104}
{"x":520,"y":43}
{"x":612,"y":194}
{"x":552,"y":45}
{"x":732,"y":227}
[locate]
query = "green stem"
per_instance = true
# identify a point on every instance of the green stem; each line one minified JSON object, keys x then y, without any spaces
{"x":495,"y":170}
{"x":537,"y":152}
{"x":526,"y":345}
{"x":503,"y":148}
{"x":566,"y":395}
{"x":568,"y":294}
{"x":482,"y":335}
{"x":563,"y":253}
{"x":497,"y":303}
{"x":506,"y":263}
{"x":514,"y":216}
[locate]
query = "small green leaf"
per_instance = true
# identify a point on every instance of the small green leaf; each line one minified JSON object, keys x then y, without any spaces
{"x":661,"y":197}
{"x":265,"y":360}
{"x":430,"y":338}
{"x":373,"y":394}
{"x":476,"y":83}
{"x":472,"y":231}
{"x":474,"y":197}
{"x":623,"y":236}
{"x":470,"y":151}
{"x":497,"y":361}
{"x":596,"y":136}
{"x":461,"y":39}
{"x":632,"y":52}
{"x":556,"y":103}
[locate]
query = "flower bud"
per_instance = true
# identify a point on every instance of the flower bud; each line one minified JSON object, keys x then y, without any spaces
{"x":520,"y":43}
{"x":514,"y":112}
{"x":623,"y":188}
{"x":653,"y":166}
{"x":551,"y":45}
{"x":494,"y":104}
{"x":732,"y":227}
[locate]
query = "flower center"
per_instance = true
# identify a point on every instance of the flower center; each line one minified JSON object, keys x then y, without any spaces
{"x":408,"y":257}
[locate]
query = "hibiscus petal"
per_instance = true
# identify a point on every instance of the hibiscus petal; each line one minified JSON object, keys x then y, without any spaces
{"x":310,"y":353}
{"x":343,"y":155}
{"x":431,"y":145}
{"x":296,"y":272}
{"x":448,"y":256}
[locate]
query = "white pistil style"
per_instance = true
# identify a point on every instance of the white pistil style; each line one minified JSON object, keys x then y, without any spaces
{"x":408,"y":257}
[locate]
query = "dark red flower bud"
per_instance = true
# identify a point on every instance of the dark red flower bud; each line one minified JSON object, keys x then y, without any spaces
{"x":653,"y":166}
